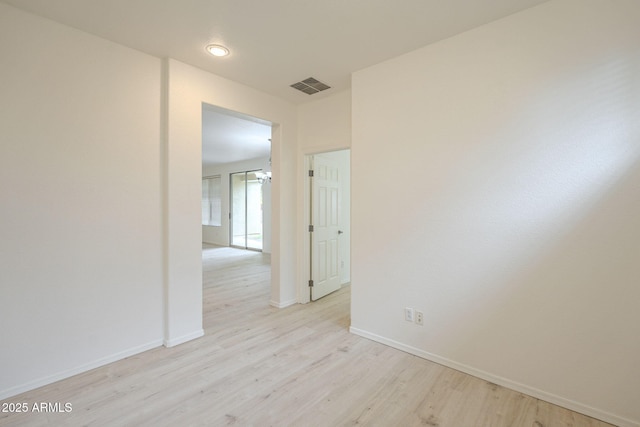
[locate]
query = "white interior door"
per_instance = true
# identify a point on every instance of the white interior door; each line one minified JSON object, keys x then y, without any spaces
{"x":325,"y":207}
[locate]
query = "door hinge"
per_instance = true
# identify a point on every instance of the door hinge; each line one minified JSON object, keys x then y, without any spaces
{"x":311,"y":283}
{"x":311,"y":172}
{"x":311,"y":229}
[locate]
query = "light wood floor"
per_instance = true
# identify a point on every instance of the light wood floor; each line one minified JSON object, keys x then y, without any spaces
{"x":298,"y":366}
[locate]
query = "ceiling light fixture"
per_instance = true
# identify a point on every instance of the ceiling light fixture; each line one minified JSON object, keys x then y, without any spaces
{"x":263,"y":177}
{"x":217,"y":50}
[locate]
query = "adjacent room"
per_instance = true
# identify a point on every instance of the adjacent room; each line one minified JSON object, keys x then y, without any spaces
{"x":236,"y":180}
{"x":474,"y":261}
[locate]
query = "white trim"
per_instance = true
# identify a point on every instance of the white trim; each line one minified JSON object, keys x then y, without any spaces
{"x":282,"y":304}
{"x":304,"y":261}
{"x":172,"y":342}
{"x":13,"y":391}
{"x":522,"y":388}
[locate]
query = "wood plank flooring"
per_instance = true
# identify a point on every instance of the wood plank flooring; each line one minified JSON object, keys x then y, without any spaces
{"x":298,"y":366}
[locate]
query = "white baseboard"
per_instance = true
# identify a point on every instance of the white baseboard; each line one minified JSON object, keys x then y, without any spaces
{"x":172,"y":342}
{"x":31,"y":385}
{"x":522,"y":388}
{"x":282,"y":304}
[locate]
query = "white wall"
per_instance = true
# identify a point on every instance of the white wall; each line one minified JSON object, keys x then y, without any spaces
{"x":220,"y":235}
{"x":325,"y":124}
{"x":520,"y":240}
{"x":80,"y":185}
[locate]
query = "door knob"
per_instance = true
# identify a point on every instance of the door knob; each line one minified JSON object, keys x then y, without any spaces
{"x":340,"y":231}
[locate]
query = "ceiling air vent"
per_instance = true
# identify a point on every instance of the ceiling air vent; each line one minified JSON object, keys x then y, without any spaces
{"x":310,"y":86}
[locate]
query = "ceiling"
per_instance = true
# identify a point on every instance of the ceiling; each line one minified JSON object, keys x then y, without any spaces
{"x":229,"y":137}
{"x":273,"y":43}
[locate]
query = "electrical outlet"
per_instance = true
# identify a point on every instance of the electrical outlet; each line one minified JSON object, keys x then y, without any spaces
{"x":419,"y":318}
{"x":408,"y":314}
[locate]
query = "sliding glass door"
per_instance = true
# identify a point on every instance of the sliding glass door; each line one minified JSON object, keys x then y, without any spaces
{"x":246,"y":210}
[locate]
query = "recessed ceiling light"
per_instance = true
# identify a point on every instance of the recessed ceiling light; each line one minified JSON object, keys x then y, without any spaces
{"x":217,"y":50}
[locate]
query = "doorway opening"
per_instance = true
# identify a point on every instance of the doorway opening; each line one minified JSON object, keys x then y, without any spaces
{"x":236,"y":149}
{"x":328,"y":209}
{"x":236,"y":203}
